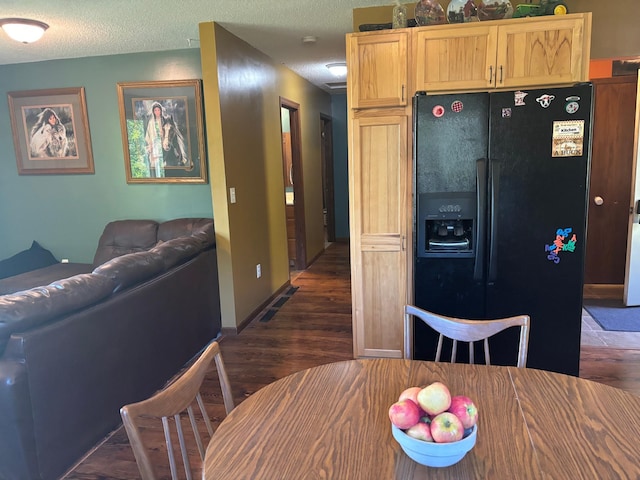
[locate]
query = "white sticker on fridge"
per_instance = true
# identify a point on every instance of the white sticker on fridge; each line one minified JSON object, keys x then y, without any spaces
{"x":568,"y":138}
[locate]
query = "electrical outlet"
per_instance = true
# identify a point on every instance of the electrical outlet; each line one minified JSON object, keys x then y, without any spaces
{"x":258,"y":271}
{"x":232,"y":195}
{"x":64,"y":260}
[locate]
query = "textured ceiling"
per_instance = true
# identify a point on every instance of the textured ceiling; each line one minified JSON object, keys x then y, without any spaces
{"x":83,"y":28}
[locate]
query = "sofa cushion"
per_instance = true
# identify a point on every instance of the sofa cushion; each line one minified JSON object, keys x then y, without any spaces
{"x":181,"y":227}
{"x":132,"y":268}
{"x":26,"y":261}
{"x":125,"y":236}
{"x":178,"y":250}
{"x":24,"y":310}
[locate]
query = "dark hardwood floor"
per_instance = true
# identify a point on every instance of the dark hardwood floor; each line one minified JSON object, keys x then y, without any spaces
{"x":311,"y":328}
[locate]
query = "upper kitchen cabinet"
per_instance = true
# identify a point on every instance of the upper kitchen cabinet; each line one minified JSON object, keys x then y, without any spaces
{"x":523,"y":52}
{"x":459,"y":57}
{"x":378,"y":69}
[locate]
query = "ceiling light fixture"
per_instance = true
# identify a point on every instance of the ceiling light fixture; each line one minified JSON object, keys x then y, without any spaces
{"x":338,"y":69}
{"x":22,"y":29}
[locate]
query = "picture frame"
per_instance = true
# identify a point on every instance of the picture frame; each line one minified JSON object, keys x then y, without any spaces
{"x":51,"y":131}
{"x":162,"y":131}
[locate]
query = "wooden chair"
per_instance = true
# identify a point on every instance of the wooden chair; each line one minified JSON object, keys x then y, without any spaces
{"x":460,"y":330}
{"x":173,"y":401}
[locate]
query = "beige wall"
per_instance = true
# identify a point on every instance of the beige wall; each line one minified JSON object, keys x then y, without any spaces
{"x":242,"y":90}
{"x":615,"y":30}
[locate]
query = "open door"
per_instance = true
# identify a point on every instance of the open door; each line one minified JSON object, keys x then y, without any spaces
{"x":632,"y":271}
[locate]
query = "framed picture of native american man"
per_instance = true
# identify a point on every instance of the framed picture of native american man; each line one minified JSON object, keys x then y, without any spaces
{"x":51,"y":131}
{"x":162,"y":132}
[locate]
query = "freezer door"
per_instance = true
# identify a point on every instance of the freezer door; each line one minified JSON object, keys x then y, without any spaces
{"x":539,"y":154}
{"x":451,"y":135}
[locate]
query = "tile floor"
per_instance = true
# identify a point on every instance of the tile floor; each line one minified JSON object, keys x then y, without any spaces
{"x":594,"y":335}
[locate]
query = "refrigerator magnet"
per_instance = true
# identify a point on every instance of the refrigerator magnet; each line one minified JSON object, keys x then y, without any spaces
{"x":572,"y":105}
{"x":518,"y":98}
{"x":568,"y":138}
{"x":545,"y":100}
{"x":506,"y":113}
{"x":553,"y":250}
{"x":457,"y":106}
{"x":438,"y":111}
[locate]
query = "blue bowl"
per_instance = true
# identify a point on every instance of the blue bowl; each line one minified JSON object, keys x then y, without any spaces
{"x":434,"y":454}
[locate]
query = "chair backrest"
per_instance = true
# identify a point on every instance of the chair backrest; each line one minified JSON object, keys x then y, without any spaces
{"x":172,"y":402}
{"x":461,"y":330}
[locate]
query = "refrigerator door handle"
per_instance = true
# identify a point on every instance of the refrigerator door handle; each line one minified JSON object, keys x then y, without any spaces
{"x":481,"y":220}
{"x":494,"y":180}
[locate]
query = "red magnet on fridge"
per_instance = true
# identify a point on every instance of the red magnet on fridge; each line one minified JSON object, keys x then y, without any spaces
{"x":457,"y":106}
{"x":438,"y":111}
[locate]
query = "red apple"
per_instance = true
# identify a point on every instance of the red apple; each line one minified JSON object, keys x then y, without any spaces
{"x":434,"y":398}
{"x":404,"y":414}
{"x":446,"y":428}
{"x":411,"y":393}
{"x":421,"y":431}
{"x":464,"y":408}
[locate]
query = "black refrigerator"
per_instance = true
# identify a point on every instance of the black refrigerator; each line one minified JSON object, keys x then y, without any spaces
{"x":500,"y":215}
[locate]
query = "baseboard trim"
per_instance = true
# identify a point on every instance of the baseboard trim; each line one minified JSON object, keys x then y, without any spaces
{"x":231,"y":331}
{"x":602,"y":290}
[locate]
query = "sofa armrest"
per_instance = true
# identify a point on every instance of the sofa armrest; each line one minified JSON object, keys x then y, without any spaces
{"x":17,"y":442}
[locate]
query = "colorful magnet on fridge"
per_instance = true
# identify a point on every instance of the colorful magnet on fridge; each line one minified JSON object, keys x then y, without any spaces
{"x":457,"y":106}
{"x":438,"y":111}
{"x":545,"y":100}
{"x":518,"y":98}
{"x":572,"y":107}
{"x":506,"y":113}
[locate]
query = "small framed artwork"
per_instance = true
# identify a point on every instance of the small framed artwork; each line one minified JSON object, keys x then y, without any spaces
{"x":51,"y":131}
{"x":162,"y":131}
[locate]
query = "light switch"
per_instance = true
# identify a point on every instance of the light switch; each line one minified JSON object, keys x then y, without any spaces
{"x":232,"y":195}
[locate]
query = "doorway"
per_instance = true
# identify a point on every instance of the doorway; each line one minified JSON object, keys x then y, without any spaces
{"x":328,"y":203}
{"x":610,"y":186}
{"x":293,"y":184}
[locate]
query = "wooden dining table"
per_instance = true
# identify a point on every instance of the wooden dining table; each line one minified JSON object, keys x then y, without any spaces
{"x":332,"y":422}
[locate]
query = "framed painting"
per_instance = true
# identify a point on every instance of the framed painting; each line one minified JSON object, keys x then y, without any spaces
{"x":51,"y":131}
{"x":162,"y":131}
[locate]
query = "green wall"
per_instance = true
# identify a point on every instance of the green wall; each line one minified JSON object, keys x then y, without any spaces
{"x":67,"y":213}
{"x":340,"y":162}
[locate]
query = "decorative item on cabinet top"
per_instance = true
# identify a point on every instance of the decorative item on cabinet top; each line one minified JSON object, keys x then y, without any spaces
{"x":399,"y":18}
{"x":429,"y":12}
{"x":461,"y":11}
{"x":494,"y":9}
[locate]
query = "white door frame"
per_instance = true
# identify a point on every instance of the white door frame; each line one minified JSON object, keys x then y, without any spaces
{"x":632,"y":270}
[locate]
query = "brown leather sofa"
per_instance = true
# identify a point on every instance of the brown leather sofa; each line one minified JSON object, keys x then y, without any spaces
{"x":76,"y":350}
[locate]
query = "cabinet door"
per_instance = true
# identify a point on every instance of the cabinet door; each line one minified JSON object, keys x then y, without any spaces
{"x":379,"y":166}
{"x":541,"y":53}
{"x":378,"y":70}
{"x":455,"y":58}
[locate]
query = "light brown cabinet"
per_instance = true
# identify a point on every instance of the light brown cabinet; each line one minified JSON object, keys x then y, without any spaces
{"x":516,"y":53}
{"x":379,"y":172}
{"x":378,"y":63}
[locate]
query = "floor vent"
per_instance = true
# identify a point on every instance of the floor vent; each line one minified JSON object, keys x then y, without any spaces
{"x":278,"y":303}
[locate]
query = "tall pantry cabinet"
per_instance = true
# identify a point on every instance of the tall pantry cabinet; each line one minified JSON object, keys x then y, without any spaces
{"x":379,"y":177}
{"x":386,"y":68}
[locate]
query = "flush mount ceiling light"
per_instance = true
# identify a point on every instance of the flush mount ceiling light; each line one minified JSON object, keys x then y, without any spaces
{"x":23,"y":30}
{"x":338,"y":69}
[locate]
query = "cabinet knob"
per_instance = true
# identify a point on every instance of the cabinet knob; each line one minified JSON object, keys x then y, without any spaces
{"x":598,"y":200}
